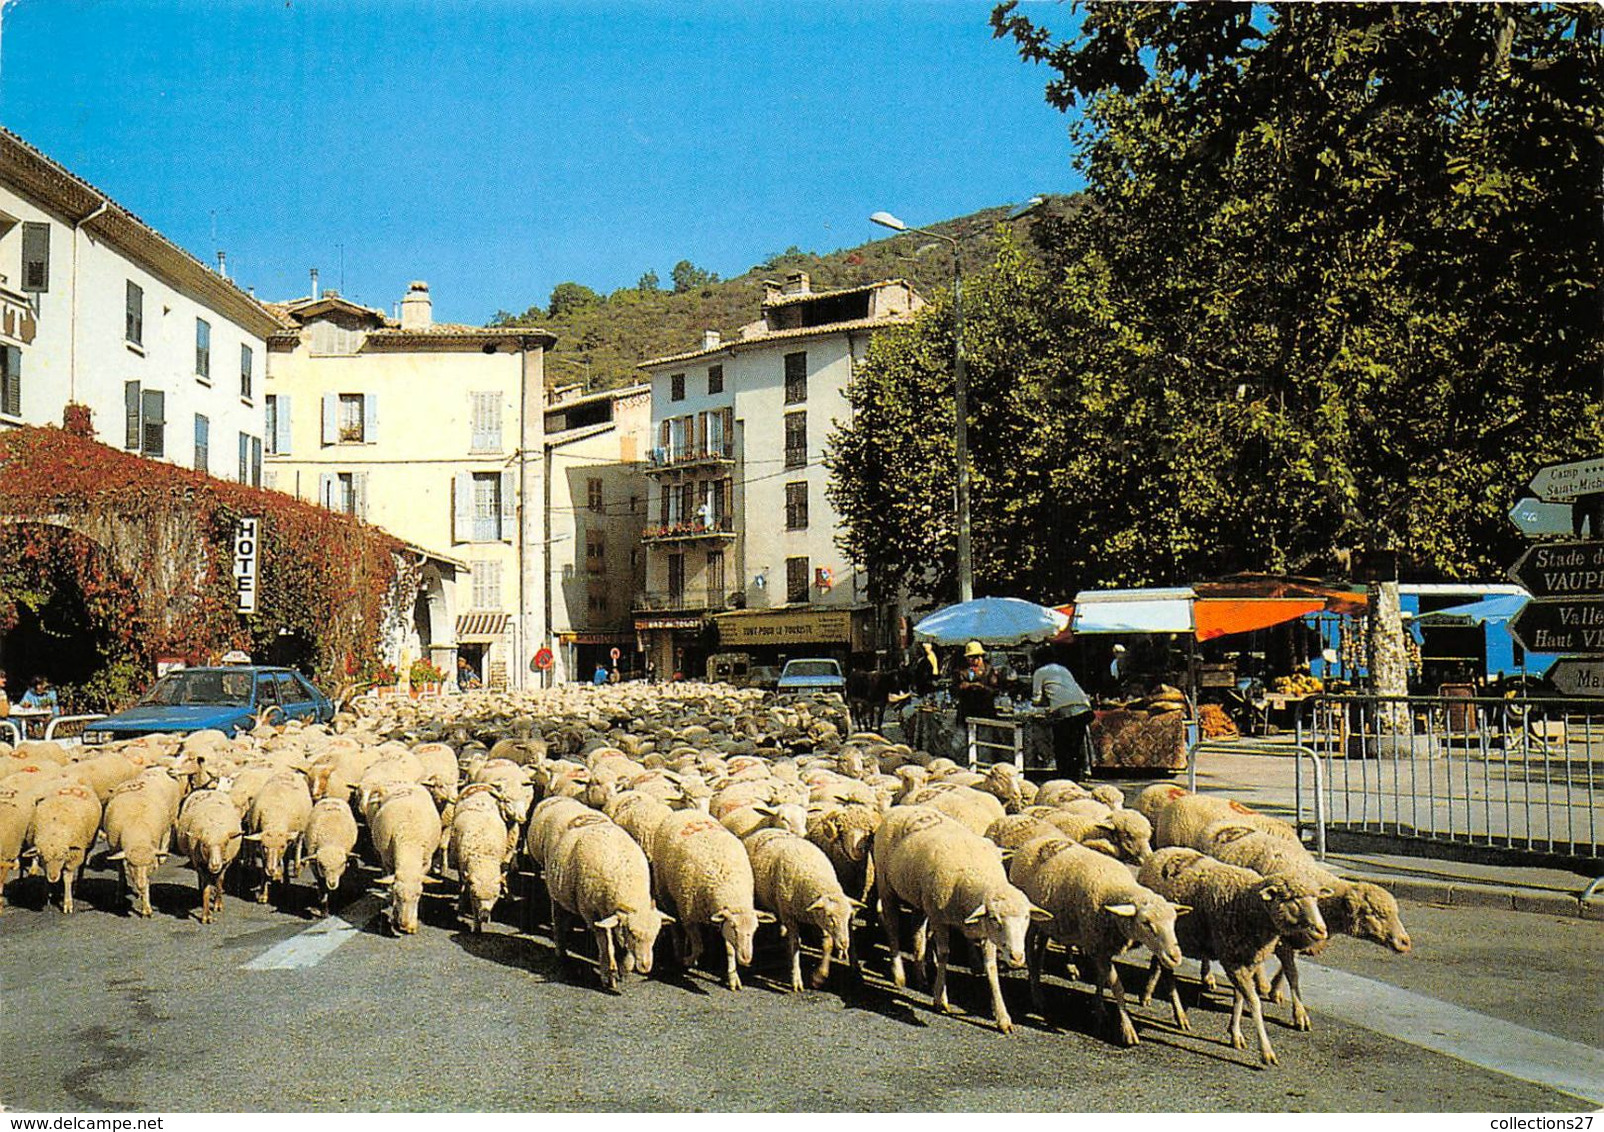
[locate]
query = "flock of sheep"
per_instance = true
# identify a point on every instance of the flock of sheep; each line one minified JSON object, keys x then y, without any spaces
{"x":697,"y":807}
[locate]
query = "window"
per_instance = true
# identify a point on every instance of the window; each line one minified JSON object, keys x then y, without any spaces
{"x":345,"y":492}
{"x":665,"y":508}
{"x":134,"y":314}
{"x":11,"y":381}
{"x":203,"y":443}
{"x":715,"y":577}
{"x":326,"y":337}
{"x":717,"y":427}
{"x":796,"y":579}
{"x":350,"y":418}
{"x":145,"y":413}
{"x":796,"y":506}
{"x":486,"y":412}
{"x":796,"y":378}
{"x":250,"y":466}
{"x":483,"y":506}
{"x":676,"y":576}
{"x":715,"y":379}
{"x":796,"y":440}
{"x":247,"y":362}
{"x":595,"y":554}
{"x":687,"y":502}
{"x":486,"y":507}
{"x":291,"y":690}
{"x":593,"y":494}
{"x":35,"y":256}
{"x":486,"y":585}
{"x":203,"y":349}
{"x":278,"y":424}
{"x":676,"y":387}
{"x":597,"y":602}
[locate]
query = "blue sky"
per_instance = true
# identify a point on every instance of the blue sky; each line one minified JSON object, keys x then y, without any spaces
{"x":496,"y":149}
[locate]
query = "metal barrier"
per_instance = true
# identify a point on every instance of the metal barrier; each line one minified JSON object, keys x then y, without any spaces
{"x":1014,"y":745}
{"x":1259,"y":747}
{"x":1519,"y":773}
{"x":57,"y":721}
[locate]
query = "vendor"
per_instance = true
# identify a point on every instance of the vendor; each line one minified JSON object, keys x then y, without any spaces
{"x":924,"y":671}
{"x":975,"y":687}
{"x":1069,"y":712}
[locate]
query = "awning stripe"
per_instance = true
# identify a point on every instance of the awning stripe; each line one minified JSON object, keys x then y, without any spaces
{"x":476,"y":627}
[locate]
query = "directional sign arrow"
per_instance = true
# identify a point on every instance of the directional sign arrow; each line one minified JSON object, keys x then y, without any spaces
{"x":1572,"y":625}
{"x":1560,"y":483}
{"x":1578,"y":677}
{"x":1562,"y":569}
{"x":1537,"y":519}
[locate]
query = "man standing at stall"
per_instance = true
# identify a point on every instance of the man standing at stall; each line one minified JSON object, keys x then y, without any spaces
{"x":976,"y":686}
{"x":1069,"y":713}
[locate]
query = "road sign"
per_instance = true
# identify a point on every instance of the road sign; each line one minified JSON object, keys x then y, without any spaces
{"x":1562,"y":569}
{"x":615,"y":654}
{"x":542,"y":659}
{"x":1561,"y":483}
{"x":1572,"y":625}
{"x":1537,"y":519}
{"x":1578,"y":677}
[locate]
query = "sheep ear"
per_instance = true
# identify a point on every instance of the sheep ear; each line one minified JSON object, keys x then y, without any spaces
{"x":1040,"y":915}
{"x":1125,"y":910}
{"x":240,"y":834}
{"x":386,"y":880}
{"x":976,"y":916}
{"x":667,"y":919}
{"x":816,"y":905}
{"x":765,"y":918}
{"x":1101,"y":846}
{"x":717,"y":918}
{"x":856,"y":903}
{"x":1268,"y":894}
{"x":764,"y":808}
{"x":608,"y":924}
{"x":250,"y":837}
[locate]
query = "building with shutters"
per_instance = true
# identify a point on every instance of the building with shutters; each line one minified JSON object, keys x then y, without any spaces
{"x":99,"y":309}
{"x":739,"y":537}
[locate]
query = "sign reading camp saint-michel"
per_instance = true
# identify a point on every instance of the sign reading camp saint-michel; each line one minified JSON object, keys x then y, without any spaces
{"x":1562,"y":483}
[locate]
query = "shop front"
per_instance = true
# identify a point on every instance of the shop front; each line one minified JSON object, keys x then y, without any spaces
{"x":671,"y":643}
{"x":612,"y":651}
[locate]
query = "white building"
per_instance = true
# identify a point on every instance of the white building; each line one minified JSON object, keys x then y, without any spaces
{"x":740,"y":539}
{"x":98,"y":309}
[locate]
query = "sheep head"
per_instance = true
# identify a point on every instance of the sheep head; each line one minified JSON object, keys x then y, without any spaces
{"x":739,"y":927}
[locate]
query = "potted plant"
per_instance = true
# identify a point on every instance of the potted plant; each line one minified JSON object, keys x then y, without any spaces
{"x":423,"y":676}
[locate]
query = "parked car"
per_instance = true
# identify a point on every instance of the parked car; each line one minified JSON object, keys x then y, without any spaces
{"x":812,"y":674}
{"x":229,"y":700}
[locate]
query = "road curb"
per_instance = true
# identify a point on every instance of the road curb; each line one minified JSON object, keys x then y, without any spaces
{"x":1473,"y":894}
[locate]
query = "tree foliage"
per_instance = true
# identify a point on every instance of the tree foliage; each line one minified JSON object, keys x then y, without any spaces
{"x":688,"y":277}
{"x":569,"y":297}
{"x":648,"y":281}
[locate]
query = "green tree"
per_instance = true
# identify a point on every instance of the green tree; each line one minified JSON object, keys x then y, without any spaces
{"x":688,"y":277}
{"x":569,"y":297}
{"x":648,"y":281}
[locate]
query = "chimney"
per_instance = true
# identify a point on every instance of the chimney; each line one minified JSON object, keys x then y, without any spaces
{"x":771,"y":290}
{"x":315,"y":294}
{"x":796,"y":283}
{"x":417,"y":311}
{"x":222,"y":263}
{"x":711,"y":340}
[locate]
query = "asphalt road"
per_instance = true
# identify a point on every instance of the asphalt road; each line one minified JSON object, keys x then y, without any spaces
{"x":106,"y":1012}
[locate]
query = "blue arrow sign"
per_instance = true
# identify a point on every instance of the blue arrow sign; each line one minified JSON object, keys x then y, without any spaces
{"x":1537,"y":519}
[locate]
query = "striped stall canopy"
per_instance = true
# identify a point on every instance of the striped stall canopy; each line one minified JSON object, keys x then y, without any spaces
{"x":481,"y":628}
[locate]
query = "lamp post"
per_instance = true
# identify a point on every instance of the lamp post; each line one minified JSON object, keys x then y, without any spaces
{"x":960,"y":389}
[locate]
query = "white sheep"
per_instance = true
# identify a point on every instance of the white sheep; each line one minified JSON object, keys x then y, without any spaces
{"x":19,"y":794}
{"x":138,"y":823}
{"x":636,"y":812}
{"x":66,"y":822}
{"x":702,"y":876}
{"x":515,"y":784}
{"x":406,"y":833}
{"x":954,"y":878}
{"x":103,"y":773}
{"x":330,"y":845}
{"x":794,"y":879}
{"x":1237,"y":918}
{"x":599,"y":873}
{"x":1183,"y":821}
{"x":747,"y":820}
{"x":209,"y":833}
{"x":1016,"y":830}
{"x":1119,"y":833}
{"x":974,"y":809}
{"x":276,"y":823}
{"x":479,"y":854}
{"x":846,"y":834}
{"x":1097,"y":909}
{"x":1153,"y":800}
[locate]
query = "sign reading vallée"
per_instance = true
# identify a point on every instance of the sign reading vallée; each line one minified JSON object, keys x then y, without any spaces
{"x":1569,"y":625}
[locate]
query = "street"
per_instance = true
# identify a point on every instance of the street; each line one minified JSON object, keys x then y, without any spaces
{"x":107,"y":1012}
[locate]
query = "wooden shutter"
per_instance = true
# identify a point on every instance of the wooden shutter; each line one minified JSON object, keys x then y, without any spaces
{"x":462,"y":507}
{"x":131,"y":413}
{"x":325,"y":489}
{"x":331,"y":418}
{"x":256,"y":462}
{"x":281,"y":426}
{"x":11,"y":381}
{"x":509,"y":503}
{"x":370,"y":418}
{"x":359,"y":489}
{"x":153,"y":408}
{"x":243,"y":475}
{"x":35,"y":256}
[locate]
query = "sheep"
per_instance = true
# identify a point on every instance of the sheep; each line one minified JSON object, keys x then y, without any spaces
{"x":276,"y":822}
{"x":1183,"y":821}
{"x":209,"y":834}
{"x":1017,"y":830}
{"x":970,"y":807}
{"x":599,"y":873}
{"x":479,"y":854}
{"x":330,"y":845}
{"x":1357,"y":908}
{"x":1005,"y":783}
{"x":703,"y":876}
{"x":1118,"y":833}
{"x":1237,"y":918}
{"x":846,"y":834}
{"x":794,"y":879}
{"x":406,"y":832}
{"x":66,"y":822}
{"x":747,"y":820}
{"x":103,"y":773}
{"x":1110,"y":795}
{"x":548,"y":822}
{"x":1097,"y":909}
{"x":1151,"y":801}
{"x":954,"y":878}
{"x":439,"y":765}
{"x":514,"y":783}
{"x":138,"y":823}
{"x":636,"y":811}
{"x":19,"y":794}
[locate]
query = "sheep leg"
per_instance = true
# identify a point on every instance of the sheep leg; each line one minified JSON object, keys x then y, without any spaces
{"x":943,"y":950}
{"x":1248,"y":991}
{"x":559,"y":931}
{"x":66,"y":891}
{"x":793,"y":947}
{"x":999,"y":1010}
{"x":1110,"y":978}
{"x":888,"y":921}
{"x":606,"y":958}
{"x":732,"y":977}
{"x":1035,"y":954}
{"x":1289,"y":970}
{"x":693,"y":945}
{"x":1181,"y":1021}
{"x":1154,"y":971}
{"x":823,"y":972}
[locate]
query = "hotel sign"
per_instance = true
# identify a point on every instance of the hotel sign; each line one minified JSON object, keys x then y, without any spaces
{"x":246,"y":551}
{"x":17,"y":320}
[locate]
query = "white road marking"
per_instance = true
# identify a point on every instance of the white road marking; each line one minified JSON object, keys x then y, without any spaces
{"x":316,"y":943}
{"x":1491,"y":1043}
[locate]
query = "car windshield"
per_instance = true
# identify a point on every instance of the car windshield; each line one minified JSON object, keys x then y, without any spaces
{"x":812,"y":668}
{"x":220,"y":688}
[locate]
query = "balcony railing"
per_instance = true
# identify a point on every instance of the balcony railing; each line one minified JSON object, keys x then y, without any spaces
{"x":687,"y":530}
{"x":677,"y":457}
{"x":690,"y":599}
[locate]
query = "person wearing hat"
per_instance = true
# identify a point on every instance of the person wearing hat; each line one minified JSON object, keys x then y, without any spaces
{"x":976,"y":686}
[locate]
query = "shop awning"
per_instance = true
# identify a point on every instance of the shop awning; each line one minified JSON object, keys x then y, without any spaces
{"x":1492,"y":609}
{"x":1222,"y":616}
{"x":1134,"y":611}
{"x":481,"y":628}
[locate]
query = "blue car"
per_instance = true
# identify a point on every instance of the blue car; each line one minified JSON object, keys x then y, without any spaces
{"x":229,"y":700}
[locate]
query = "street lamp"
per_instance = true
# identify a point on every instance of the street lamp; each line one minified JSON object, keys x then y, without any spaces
{"x":960,"y":388}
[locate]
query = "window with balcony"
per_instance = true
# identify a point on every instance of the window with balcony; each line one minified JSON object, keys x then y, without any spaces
{"x":796,"y":378}
{"x":676,"y":387}
{"x":796,"y":579}
{"x":483,"y":506}
{"x":203,"y":349}
{"x":796,"y":439}
{"x":796,"y":506}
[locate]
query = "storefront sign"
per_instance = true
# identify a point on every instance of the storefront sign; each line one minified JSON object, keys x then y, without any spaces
{"x":246,"y":548}
{"x":648,"y":624}
{"x":787,"y":626}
